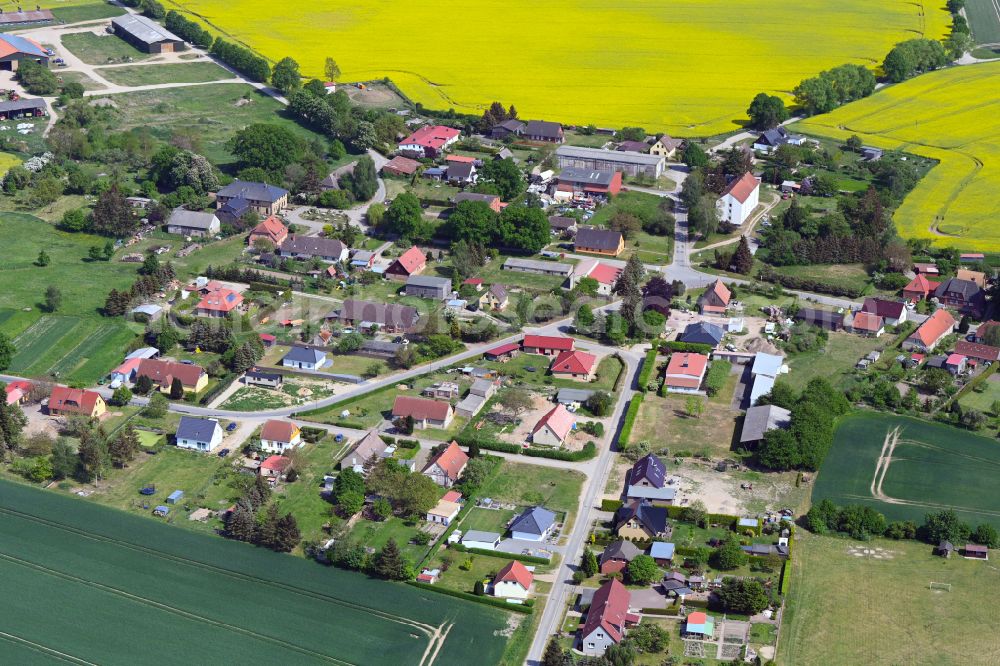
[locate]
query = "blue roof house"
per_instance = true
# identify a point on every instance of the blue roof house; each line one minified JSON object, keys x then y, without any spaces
{"x":534,"y":524}
{"x":662,"y":552}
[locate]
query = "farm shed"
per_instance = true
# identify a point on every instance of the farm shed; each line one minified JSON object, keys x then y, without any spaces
{"x":146,"y":34}
{"x":175,"y":497}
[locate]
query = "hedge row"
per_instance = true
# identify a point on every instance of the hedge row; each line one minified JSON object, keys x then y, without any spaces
{"x":648,"y":365}
{"x":531,"y":559}
{"x":690,"y":347}
{"x":610,"y":505}
{"x":216,"y":390}
{"x":586,"y":453}
{"x":813,"y":285}
{"x":489,"y":601}
{"x":242,"y":59}
{"x":786,"y":577}
{"x":670,"y":610}
{"x":630,"y":417}
{"x":622,"y":374}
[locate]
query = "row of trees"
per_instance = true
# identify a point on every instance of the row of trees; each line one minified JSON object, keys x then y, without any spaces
{"x":188,"y":30}
{"x":863,"y":522}
{"x":912,"y":57}
{"x":255,"y":521}
{"x":806,"y":442}
{"x":242,"y":59}
{"x":833,"y":87}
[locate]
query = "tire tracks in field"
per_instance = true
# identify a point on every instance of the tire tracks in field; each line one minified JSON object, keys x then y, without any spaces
{"x":47,"y":651}
{"x":188,"y":615}
{"x":427,"y":629}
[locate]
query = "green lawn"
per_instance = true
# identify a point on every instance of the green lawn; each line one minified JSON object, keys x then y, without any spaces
{"x":663,"y":421}
{"x":483,"y":568}
{"x":376,"y":534}
{"x":527,"y":485}
{"x":983,"y":401}
{"x":824,"y":622}
{"x":70,"y":348}
{"x":607,"y":373}
{"x":853,"y":275}
{"x":651,"y":249}
{"x":302,"y":497}
{"x":102,"y":49}
{"x":487,"y":520}
{"x":87,"y":12}
{"x":182,"y":72}
{"x":493,"y":273}
{"x":81,"y":78}
{"x":835,"y":361}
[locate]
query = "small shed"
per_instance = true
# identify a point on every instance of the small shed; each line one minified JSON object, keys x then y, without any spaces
{"x":175,"y":497}
{"x":161,"y":510}
{"x":944,"y":549}
{"x":976,"y":552}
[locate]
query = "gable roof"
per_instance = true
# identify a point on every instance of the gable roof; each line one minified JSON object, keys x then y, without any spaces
{"x":772,"y":137}
{"x":759,"y":420}
{"x":431,"y":136}
{"x":314,"y":246}
{"x":720,"y":291}
{"x":304,"y":355}
{"x":428,"y":281}
{"x":653,"y":518}
{"x":460,"y":170}
{"x":633,"y":146}
{"x":271,"y":227}
{"x":608,"y":610}
{"x":164,"y":372}
{"x":543,"y":128}
{"x":503,"y":349}
{"x":276,"y":463}
{"x":452,"y":460}
{"x":369,"y":446}
{"x":703,"y":332}
{"x":978,"y":351}
{"x":514,"y":572}
{"x":965,"y":288}
{"x":383,"y":314}
{"x":972,"y":276}
{"x":620,"y":550}
{"x":741,"y":188}
{"x":819,"y":317}
{"x":605,"y":273}
{"x":190,"y":219}
{"x":547,"y":342}
{"x":561,"y":222}
{"x":411,"y":260}
{"x":420,"y":408}
{"x":558,"y":419}
{"x":144,"y":29}
{"x":867,"y":321}
{"x":402,"y":164}
{"x":884,"y":308}
{"x":11,"y":44}
{"x":922,"y":284}
{"x":199,"y":430}
{"x":573,"y":362}
{"x":601,"y":239}
{"x":512,"y":125}
{"x":253,"y":191}
{"x":279,"y":431}
{"x":651,"y":468}
{"x":69,"y":399}
{"x":498,"y":291}
{"x":933,"y":328}
{"x":220,"y":300}
{"x":534,"y":520}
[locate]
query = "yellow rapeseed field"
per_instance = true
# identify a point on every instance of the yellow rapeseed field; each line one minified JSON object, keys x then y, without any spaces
{"x":951,"y":115}
{"x":689,"y":67}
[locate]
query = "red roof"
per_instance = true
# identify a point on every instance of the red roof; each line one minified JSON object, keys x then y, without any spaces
{"x":460,"y":158}
{"x":547,"y":342}
{"x":884,"y":308}
{"x":503,"y":349}
{"x":937,"y":325}
{"x":608,"y":610}
{"x":742,"y":188}
{"x":431,"y":136}
{"x":559,"y":420}
{"x":128,"y":367}
{"x":954,"y":359}
{"x":420,"y":408}
{"x":473,"y":281}
{"x":921,"y":284}
{"x":267,"y":337}
{"x":515,"y":572}
{"x":16,"y":390}
{"x":279,"y":431}
{"x":451,"y":496}
{"x":975,"y":350}
{"x":276,"y":463}
{"x":868,"y":321}
{"x":412,"y":260}
{"x":78,"y":401}
{"x":220,"y":300}
{"x":573,"y":363}
{"x":164,"y":372}
{"x":452,"y":460}
{"x":7,"y":47}
{"x":686,"y":370}
{"x":402,"y":165}
{"x":272,"y":229}
{"x":605,"y":273}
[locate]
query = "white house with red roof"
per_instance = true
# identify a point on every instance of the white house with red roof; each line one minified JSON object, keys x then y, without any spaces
{"x":446,"y":467}
{"x":546,"y":345}
{"x":426,"y":413}
{"x":553,"y":428}
{"x":271,"y":230}
{"x":410,"y":263}
{"x":512,"y":582}
{"x":739,"y":199}
{"x":430,"y":140}
{"x":930,"y":333}
{"x":605,"y":274}
{"x":607,"y":618}
{"x":685,"y":372}
{"x":17,"y":391}
{"x":274,"y":466}
{"x":278,"y":436}
{"x":218,"y":303}
{"x":574,"y":365}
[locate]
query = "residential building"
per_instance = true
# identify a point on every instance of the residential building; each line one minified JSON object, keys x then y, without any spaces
{"x":271,"y":230}
{"x":263,"y":198}
{"x":278,"y":436}
{"x":233,"y":211}
{"x":503,"y":352}
{"x":534,"y":524}
{"x":739,"y":200}
{"x":546,"y":345}
{"x":607,"y":618}
{"x":665,"y":146}
{"x":429,"y":141}
{"x":193,"y":377}
{"x":931,"y":332}
{"x":481,"y":540}
{"x":831,"y":321}
{"x":647,"y":481}
{"x":146,"y":34}
{"x":461,"y":173}
{"x":956,"y":364}
{"x":560,"y":225}
{"x":193,"y":224}
{"x":17,"y":391}
{"x":662,"y":552}
{"x":576,"y":364}
{"x":494,"y":298}
{"x":512,"y":127}
{"x":367,"y":451}
{"x":598,"y":159}
{"x":446,"y":467}
{"x":255,"y":377}
{"x":427,"y":286}
{"x":772,"y":139}
{"x":893,"y":313}
{"x":363,"y":259}
{"x":964,"y":295}
{"x":330,"y":250}
{"x":606,"y":275}
{"x":703,"y":333}
{"x":715,"y":300}
{"x":412,"y":262}
{"x":685,"y":372}
{"x":641,"y":520}
{"x":919,"y":288}
{"x":574,"y":183}
{"x":198,"y":434}
{"x":363,"y":314}
{"x":977,"y":351}
{"x":64,"y":400}
{"x":512,"y":582}
{"x":617,"y":555}
{"x":759,"y":420}
{"x":554,"y":427}
{"x":426,"y":413}
{"x":274,"y":467}
{"x":972,"y":276}
{"x":382,"y":349}
{"x":304,"y":358}
{"x":865,"y":323}
{"x":541,"y":130}
{"x":599,"y":241}
{"x":491,"y":200}
{"x":400,"y":166}
{"x":218,"y":303}
{"x":633,"y":147}
{"x":870,"y":154}
{"x":537,"y":267}
{"x":446,"y":510}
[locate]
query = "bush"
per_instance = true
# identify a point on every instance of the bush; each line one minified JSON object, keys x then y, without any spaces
{"x":716,"y":377}
{"x":630,"y":417}
{"x":648,"y":366}
{"x":686,"y":347}
{"x":610,"y":505}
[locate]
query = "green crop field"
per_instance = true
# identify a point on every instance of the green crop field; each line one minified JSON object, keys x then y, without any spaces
{"x":682,"y":66}
{"x":181,"y":597}
{"x":984,"y":20}
{"x":70,"y":348}
{"x":906,"y":468}
{"x":950,"y":115}
{"x":849,"y":607}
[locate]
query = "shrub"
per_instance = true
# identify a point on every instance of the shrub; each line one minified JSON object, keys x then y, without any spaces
{"x":630,"y":417}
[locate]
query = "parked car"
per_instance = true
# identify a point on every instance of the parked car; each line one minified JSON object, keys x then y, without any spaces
{"x":223,"y":453}
{"x":339,"y":438}
{"x":231,"y":427}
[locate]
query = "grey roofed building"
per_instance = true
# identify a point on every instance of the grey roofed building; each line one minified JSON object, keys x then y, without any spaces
{"x":534,"y":520}
{"x":303,"y":355}
{"x":610,"y":160}
{"x":252,"y":191}
{"x":143,"y":352}
{"x":394,"y":317}
{"x":648,"y":470}
{"x":543,"y":130}
{"x":560,"y":223}
{"x":195,"y":429}
{"x":831,"y":321}
{"x":143,"y":30}
{"x":362,"y":257}
{"x":254,"y":373}
{"x":622,"y":549}
{"x":481,"y":536}
{"x":487,"y":199}
{"x":664,"y":494}
{"x":535,"y":266}
{"x":470,"y":405}
{"x":653,"y":518}
{"x":183,"y":221}
{"x":762,"y":385}
{"x":429,"y":283}
{"x":379,"y":348}
{"x":598,"y":238}
{"x":313,"y":246}
{"x":586,"y":176}
{"x":768,"y":365}
{"x":17,"y":108}
{"x":482,"y":387}
{"x":759,"y":420}
{"x":460,"y":171}
{"x":498,"y":291}
{"x":703,"y":332}
{"x":368,"y":447}
{"x":633,"y":147}
{"x":505,"y":153}
{"x":567,"y":396}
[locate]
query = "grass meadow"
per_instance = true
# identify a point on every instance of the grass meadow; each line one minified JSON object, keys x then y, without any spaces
{"x":949,"y":115}
{"x":932,"y":467}
{"x":196,"y":598}
{"x":674,"y":65}
{"x":847,"y":608}
{"x":151,"y":74}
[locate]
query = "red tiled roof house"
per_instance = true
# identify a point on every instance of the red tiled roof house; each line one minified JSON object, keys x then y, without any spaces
{"x":739,"y":200}
{"x":919,"y":288}
{"x":193,"y":377}
{"x":512,"y":582}
{"x":270,"y":230}
{"x":430,"y":141}
{"x":446,"y":467}
{"x":715,"y":300}
{"x":65,"y":400}
{"x":685,"y":372}
{"x":930,"y":333}
{"x":546,"y":345}
{"x":606,"y":619}
{"x":574,"y":365}
{"x":426,"y":413}
{"x":553,"y":428}
{"x":412,"y":262}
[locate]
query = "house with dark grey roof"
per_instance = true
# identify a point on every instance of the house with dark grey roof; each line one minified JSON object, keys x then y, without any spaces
{"x":640,"y":521}
{"x":831,"y":321}
{"x":563,"y":225}
{"x":330,"y":250}
{"x":507,"y":128}
{"x":541,"y":130}
{"x":265,"y":199}
{"x":648,"y":471}
{"x":759,"y":420}
{"x":191,"y":223}
{"x":146,"y":34}
{"x":617,"y":555}
{"x":427,"y":286}
{"x":703,"y":333}
{"x":599,"y":241}
{"x":390,"y":318}
{"x":964,"y":295}
{"x":233,"y":211}
{"x":198,"y":434}
{"x":534,"y":524}
{"x":255,"y":377}
{"x":379,"y":349}
{"x":304,"y":358}
{"x":461,"y":173}
{"x":772,"y":139}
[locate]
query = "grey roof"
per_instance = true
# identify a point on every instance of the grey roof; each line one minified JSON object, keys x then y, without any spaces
{"x":428,"y":281}
{"x":822,"y":318}
{"x":568,"y":395}
{"x":147,"y":309}
{"x":314,"y":246}
{"x":235,"y":207}
{"x":653,"y":518}
{"x":773,"y":137}
{"x":586,"y":176}
{"x":767,"y":364}
{"x":481,"y":387}
{"x":479,"y":535}
{"x":966,"y":288}
{"x":190,"y":219}
{"x":260,"y":374}
{"x":666,"y":493}
{"x":475,"y":196}
{"x":504,"y":154}
{"x":702,"y":332}
{"x":759,"y":420}
{"x":543,"y":128}
{"x":762,"y":385}
{"x":620,"y":550}
{"x":461,"y":170}
{"x":253,"y":191}
{"x":470,"y":403}
{"x":602,"y":239}
{"x":514,"y":263}
{"x":560,"y":222}
{"x":650,"y":468}
{"x":362,"y":255}
{"x":199,"y":430}
{"x":380,"y":346}
{"x":145,"y":30}
{"x":143,"y":352}
{"x":608,"y":155}
{"x":383,"y":314}
{"x":534,"y":520}
{"x":512,"y":125}
{"x":369,"y":446}
{"x":498,"y":291}
{"x":304,"y":355}
{"x":23,"y":105}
